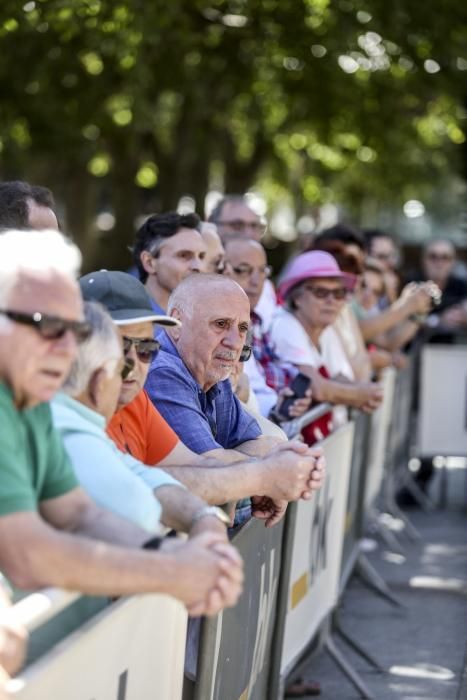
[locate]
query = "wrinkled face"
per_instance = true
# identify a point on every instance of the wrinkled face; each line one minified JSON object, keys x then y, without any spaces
{"x":35,"y":368}
{"x":41,"y":217}
{"x":371,"y":289}
{"x":133,"y":384}
{"x":317,"y":305}
{"x":248,"y":266}
{"x":178,"y":257}
{"x":438,"y":261}
{"x":237,"y":219}
{"x":384,"y":250}
{"x":212,"y":336}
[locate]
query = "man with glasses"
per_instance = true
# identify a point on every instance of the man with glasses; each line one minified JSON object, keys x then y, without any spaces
{"x":189,"y":384}
{"x":51,"y":532}
{"x":139,"y":429}
{"x":267,"y":374}
{"x":168,"y":248}
{"x":235,"y":218}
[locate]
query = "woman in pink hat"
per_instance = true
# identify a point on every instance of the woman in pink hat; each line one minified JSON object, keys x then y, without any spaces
{"x":313,"y":291}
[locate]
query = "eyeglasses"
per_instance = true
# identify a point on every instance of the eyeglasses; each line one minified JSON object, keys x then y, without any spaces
{"x":324,"y":293}
{"x":246,"y":270}
{"x":146,"y":348}
{"x":127,"y":367}
{"x":241,"y":226}
{"x":51,"y":327}
{"x":245,"y":353}
{"x":439,"y":257}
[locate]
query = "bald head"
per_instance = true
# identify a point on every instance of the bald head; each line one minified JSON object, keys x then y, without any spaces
{"x":215,"y":315}
{"x":195,"y":291}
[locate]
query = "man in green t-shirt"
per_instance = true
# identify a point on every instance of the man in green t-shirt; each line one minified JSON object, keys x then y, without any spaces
{"x":51,"y":532}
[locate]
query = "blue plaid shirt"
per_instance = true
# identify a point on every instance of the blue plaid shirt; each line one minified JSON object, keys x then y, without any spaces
{"x":203,"y":420}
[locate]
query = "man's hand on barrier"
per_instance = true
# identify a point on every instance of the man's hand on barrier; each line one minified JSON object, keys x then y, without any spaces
{"x":268,"y":509}
{"x":370,"y":396}
{"x":317,"y":474}
{"x":292,"y":472}
{"x":208,"y":573}
{"x":229,"y":582}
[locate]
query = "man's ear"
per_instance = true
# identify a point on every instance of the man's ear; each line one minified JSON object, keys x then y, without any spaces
{"x":148,"y":261}
{"x":175,"y":331}
{"x":96,"y":387}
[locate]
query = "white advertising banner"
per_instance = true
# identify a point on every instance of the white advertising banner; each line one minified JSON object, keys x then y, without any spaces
{"x":133,"y":650}
{"x":379,"y":432}
{"x":442,"y":427}
{"x":317,"y":549}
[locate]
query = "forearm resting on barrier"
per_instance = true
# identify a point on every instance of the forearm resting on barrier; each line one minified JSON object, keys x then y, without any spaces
{"x":35,"y":555}
{"x":179,"y":508}
{"x":364,"y":395}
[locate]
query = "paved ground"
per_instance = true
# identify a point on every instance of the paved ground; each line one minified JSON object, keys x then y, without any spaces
{"x":423,"y":647}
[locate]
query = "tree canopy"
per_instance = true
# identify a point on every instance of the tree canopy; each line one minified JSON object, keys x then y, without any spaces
{"x":129,"y":105}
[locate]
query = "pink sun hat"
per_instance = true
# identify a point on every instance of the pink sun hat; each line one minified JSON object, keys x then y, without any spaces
{"x":315,"y":263}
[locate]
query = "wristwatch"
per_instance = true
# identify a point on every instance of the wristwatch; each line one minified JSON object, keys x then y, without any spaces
{"x":211,"y":510}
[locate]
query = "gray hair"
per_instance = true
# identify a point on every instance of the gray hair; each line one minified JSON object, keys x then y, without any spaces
{"x":34,"y":251}
{"x":103,"y":350}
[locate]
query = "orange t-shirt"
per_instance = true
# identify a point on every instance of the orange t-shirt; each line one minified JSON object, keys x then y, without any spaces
{"x":139,"y":428}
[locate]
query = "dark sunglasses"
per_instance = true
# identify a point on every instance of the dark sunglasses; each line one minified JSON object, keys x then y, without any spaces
{"x":127,"y":367}
{"x":323,"y":293}
{"x":51,"y":327}
{"x":146,"y":348}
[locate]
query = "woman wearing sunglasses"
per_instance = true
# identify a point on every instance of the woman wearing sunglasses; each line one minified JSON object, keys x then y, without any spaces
{"x":313,"y":290}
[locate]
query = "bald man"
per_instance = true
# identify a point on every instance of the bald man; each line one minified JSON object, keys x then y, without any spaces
{"x":189,"y":379}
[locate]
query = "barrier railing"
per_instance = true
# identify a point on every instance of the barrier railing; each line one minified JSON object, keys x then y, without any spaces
{"x":294,"y":575}
{"x":37,"y":608}
{"x":235,"y":649}
{"x":121,"y":644}
{"x":318,"y":536}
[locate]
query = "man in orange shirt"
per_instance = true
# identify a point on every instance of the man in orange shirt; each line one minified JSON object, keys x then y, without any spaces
{"x":290,"y":472}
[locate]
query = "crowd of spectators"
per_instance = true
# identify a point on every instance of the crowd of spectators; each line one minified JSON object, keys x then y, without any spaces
{"x":137,"y":405}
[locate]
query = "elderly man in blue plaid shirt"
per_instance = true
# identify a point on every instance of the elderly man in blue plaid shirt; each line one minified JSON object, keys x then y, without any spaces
{"x":189,"y":379}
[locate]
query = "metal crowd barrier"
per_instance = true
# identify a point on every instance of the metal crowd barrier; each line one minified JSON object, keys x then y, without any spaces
{"x":294,"y":576}
{"x":132,"y":650}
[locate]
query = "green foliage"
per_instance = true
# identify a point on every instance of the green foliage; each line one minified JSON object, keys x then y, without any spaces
{"x":138,"y":103}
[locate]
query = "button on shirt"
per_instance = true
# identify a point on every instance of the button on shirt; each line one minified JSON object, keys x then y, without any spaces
{"x":203,"y":420}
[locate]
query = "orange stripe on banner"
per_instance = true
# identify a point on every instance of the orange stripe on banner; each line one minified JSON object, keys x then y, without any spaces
{"x":299,"y":590}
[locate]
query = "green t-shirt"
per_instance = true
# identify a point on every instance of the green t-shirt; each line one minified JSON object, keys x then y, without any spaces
{"x":33,"y":463}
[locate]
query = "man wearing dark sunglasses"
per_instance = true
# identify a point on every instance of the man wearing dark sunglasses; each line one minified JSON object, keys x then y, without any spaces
{"x":51,"y":531}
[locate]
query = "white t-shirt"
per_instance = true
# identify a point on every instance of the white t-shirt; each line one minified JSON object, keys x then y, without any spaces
{"x":293,"y":344}
{"x":267,"y":304}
